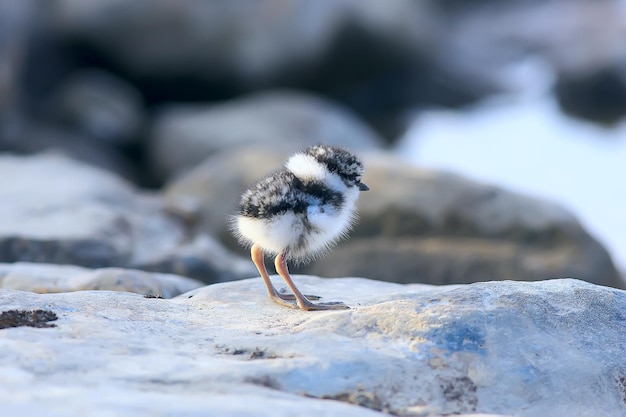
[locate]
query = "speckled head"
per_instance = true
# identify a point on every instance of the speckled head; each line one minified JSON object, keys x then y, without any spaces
{"x":340,"y":162}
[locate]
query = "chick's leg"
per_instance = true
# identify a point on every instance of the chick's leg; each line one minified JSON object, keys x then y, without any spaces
{"x":301,"y":300}
{"x":259,"y":262}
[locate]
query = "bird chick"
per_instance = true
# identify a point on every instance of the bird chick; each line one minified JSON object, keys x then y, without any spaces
{"x":298,"y":213}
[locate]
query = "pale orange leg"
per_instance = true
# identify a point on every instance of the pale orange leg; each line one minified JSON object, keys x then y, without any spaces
{"x":301,"y":300}
{"x":259,"y":262}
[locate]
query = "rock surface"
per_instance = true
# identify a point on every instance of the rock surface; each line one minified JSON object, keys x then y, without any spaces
{"x":493,"y":41}
{"x":15,"y":24}
{"x":209,"y":193}
{"x":71,"y":70}
{"x":439,"y":227}
{"x":49,"y":278}
{"x":99,"y":105}
{"x":182,"y":137}
{"x":510,"y":348}
{"x":33,"y":138}
{"x":376,"y":59}
{"x":60,"y":211}
{"x":448,"y":229}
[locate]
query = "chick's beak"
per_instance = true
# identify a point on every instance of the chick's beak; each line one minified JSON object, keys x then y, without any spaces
{"x":363,"y":187}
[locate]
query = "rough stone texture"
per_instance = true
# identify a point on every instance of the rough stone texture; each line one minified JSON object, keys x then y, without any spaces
{"x":415,"y":224}
{"x":184,"y":136}
{"x":49,"y":278}
{"x":550,"y":348}
{"x":448,"y":229}
{"x":56,"y":210}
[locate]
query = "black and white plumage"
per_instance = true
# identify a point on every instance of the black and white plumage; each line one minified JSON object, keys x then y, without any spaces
{"x":299,"y":212}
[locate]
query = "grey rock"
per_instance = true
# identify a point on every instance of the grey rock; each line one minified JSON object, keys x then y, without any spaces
{"x":203,"y":258}
{"x":182,"y":137}
{"x":409,"y":200}
{"x":49,"y":278}
{"x":414,"y":223}
{"x":209,"y":194}
{"x":66,"y":212}
{"x":232,"y":41}
{"x":599,"y":95}
{"x":455,"y":260}
{"x":442,"y":228}
{"x":15,"y":26}
{"x":249,"y":43}
{"x":100,"y":106}
{"x":585,"y":50}
{"x":36,"y":136}
{"x":379,"y":60}
{"x":81,"y":118}
{"x":61,"y":211}
{"x":551,"y":348}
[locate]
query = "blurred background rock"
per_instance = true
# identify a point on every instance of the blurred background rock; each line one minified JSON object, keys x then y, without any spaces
{"x":166,"y":110}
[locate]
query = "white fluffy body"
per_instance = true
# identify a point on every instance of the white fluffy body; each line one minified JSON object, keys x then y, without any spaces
{"x":306,"y":167}
{"x":323,"y":225}
{"x":273,"y":235}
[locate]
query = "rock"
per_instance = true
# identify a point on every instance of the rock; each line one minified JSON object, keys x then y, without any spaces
{"x":37,"y":137}
{"x":449,"y":260}
{"x":446,"y":229}
{"x":591,"y":75}
{"x":17,"y":21}
{"x":183,"y":137}
{"x":382,"y":61}
{"x":47,"y":104}
{"x":62,"y":211}
{"x":66,"y":212}
{"x":584,"y":51}
{"x":15,"y":26}
{"x":205,"y":259}
{"x":209,"y":193}
{"x":508,"y":348}
{"x":48,"y":278}
{"x":100,"y":106}
{"x":599,"y":95}
{"x":414,"y":224}
{"x":233,"y":42}
{"x":379,"y":60}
